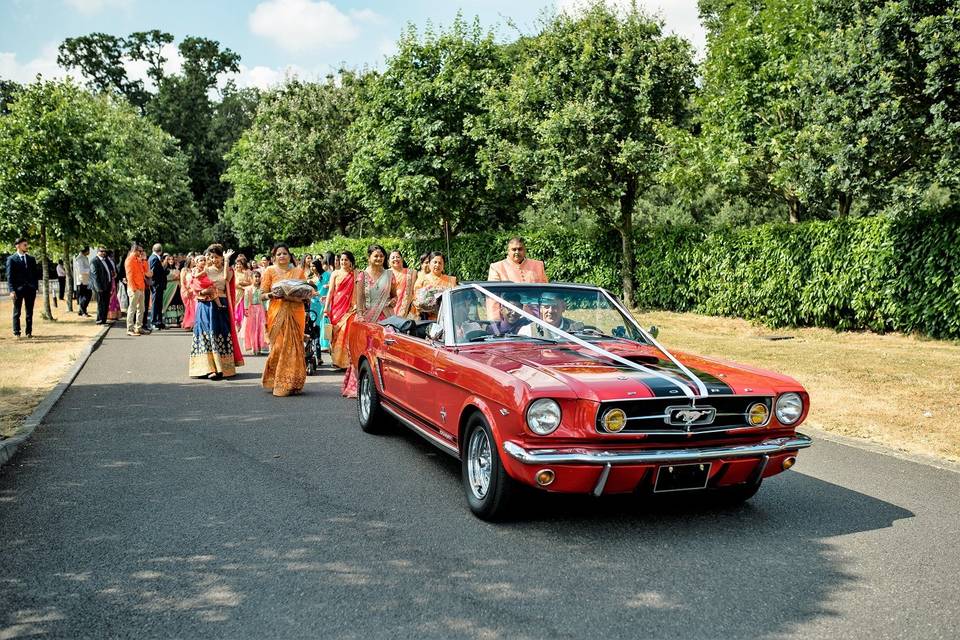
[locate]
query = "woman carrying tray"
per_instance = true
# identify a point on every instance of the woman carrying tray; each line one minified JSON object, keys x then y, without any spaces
{"x":285,"y":371}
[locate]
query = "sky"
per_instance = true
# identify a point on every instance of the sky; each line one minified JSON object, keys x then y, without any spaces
{"x":277,"y":38}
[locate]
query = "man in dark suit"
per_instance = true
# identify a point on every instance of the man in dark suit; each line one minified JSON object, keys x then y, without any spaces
{"x":22,"y":278}
{"x":157,"y":286}
{"x":100,"y":283}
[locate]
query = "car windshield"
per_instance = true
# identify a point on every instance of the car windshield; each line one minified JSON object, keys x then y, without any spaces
{"x":584,"y":312}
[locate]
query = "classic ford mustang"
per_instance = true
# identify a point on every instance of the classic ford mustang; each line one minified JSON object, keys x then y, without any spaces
{"x":557,"y":387}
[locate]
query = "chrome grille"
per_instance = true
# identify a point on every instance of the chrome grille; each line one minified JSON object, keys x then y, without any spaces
{"x":652,"y":415}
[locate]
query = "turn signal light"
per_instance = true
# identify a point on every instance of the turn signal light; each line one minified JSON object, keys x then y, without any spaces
{"x":789,"y":462}
{"x":545,"y":477}
{"x":614,"y":420}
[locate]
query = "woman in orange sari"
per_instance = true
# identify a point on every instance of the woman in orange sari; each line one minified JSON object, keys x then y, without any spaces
{"x":403,"y":281}
{"x":341,"y":307}
{"x":435,"y":280}
{"x":285,"y":371}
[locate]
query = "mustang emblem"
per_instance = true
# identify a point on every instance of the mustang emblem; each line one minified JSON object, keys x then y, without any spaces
{"x":690,"y":416}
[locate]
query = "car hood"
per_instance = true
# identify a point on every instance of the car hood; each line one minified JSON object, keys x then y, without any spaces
{"x":570,"y":369}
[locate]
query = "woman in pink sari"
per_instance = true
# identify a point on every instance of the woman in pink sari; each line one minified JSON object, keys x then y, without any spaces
{"x":375,"y":296}
{"x":186,"y":292}
{"x":403,"y":280}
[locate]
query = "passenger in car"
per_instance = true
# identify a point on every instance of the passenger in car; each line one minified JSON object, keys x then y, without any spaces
{"x":552,"y":306}
{"x":510,"y":321}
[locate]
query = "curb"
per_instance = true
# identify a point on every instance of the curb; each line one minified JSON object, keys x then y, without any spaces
{"x":925,"y":459}
{"x":9,"y":446}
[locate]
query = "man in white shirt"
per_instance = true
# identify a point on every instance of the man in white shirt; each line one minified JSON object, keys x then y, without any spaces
{"x":81,"y":276}
{"x":552,"y":306}
{"x":61,"y":281}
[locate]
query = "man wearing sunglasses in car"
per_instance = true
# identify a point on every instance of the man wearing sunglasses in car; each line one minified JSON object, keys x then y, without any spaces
{"x":552,"y":306}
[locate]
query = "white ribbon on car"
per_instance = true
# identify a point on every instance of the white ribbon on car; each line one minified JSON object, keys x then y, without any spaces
{"x":603,"y":352}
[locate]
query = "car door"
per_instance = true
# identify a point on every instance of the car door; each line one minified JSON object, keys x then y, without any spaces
{"x":406,"y":366}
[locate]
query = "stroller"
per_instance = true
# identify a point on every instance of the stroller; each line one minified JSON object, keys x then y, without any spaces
{"x":311,"y":344}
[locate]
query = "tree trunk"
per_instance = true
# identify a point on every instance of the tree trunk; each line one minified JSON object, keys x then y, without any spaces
{"x":446,"y":235}
{"x":793,"y":206}
{"x":843,"y":205}
{"x":45,"y":267}
{"x":68,"y":267}
{"x":627,"y":201}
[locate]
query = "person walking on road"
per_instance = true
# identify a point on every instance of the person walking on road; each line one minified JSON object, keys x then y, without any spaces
{"x":134,"y":270}
{"x":81,"y":274}
{"x":158,"y":285}
{"x":100,"y":283}
{"x":22,"y":278}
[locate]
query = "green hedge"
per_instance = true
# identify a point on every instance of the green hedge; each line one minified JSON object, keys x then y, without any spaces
{"x":867,"y":273}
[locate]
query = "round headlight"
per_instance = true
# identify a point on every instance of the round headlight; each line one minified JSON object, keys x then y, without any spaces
{"x":614,"y":421}
{"x":757,"y":414}
{"x":543,"y":416}
{"x":789,"y":408}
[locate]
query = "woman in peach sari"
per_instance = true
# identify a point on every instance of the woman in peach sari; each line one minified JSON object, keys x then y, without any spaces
{"x":341,"y":307}
{"x":285,"y":371}
{"x":186,"y":292}
{"x":403,"y":281}
{"x":435,"y":280}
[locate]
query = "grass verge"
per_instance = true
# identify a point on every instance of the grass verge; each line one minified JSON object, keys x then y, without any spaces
{"x":897,"y":390}
{"x":29,"y":369}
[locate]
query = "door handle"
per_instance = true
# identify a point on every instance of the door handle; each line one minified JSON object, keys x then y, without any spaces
{"x":389,"y":341}
{"x":440,"y":370}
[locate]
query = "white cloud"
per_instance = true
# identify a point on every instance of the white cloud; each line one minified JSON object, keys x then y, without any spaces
{"x":263,"y":77}
{"x":303,"y":25}
{"x":26,"y":72}
{"x":96,"y":6}
{"x":680,"y":16}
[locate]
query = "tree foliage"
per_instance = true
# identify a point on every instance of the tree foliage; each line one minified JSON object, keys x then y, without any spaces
{"x":288,"y":170}
{"x":417,"y":163}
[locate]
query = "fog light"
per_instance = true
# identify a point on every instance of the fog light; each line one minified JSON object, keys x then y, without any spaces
{"x":614,"y":421}
{"x":757,"y":414}
{"x":789,"y":462}
{"x":545,"y":477}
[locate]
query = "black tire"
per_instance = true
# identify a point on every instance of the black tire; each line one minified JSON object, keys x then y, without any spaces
{"x":735,"y":495}
{"x":370,"y":412}
{"x":500,"y":495}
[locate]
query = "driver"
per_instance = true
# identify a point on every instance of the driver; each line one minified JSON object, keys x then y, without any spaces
{"x":510,"y":321}
{"x":552,"y":306}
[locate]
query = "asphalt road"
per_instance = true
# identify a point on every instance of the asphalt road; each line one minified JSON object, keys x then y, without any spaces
{"x":149,"y":505}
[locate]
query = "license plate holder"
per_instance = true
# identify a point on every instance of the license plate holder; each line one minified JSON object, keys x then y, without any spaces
{"x":682,"y":477}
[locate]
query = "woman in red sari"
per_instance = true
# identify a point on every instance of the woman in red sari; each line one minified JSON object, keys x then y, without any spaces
{"x":341,"y":308}
{"x":403,"y":280}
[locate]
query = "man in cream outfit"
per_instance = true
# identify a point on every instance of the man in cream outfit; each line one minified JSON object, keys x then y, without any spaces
{"x":517,"y":267}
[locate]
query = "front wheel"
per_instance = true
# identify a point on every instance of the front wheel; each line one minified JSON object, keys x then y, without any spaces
{"x":734,"y":495}
{"x":491,"y":492}
{"x":370,"y":412}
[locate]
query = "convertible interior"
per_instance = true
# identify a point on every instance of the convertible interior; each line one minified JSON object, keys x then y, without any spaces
{"x":415,"y":328}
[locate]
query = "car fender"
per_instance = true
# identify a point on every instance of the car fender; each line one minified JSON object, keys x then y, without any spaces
{"x":488,"y":412}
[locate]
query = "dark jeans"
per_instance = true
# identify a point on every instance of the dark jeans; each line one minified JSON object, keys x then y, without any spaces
{"x":103,"y":305}
{"x":83,"y":297}
{"x":26,"y":295}
{"x":156,"y":304}
{"x":61,"y":286}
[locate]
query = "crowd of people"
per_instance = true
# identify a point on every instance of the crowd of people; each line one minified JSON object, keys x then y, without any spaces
{"x":238,"y":307}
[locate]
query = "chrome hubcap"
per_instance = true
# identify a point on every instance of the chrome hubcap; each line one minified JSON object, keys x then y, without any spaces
{"x":365,"y":397}
{"x":479,"y":463}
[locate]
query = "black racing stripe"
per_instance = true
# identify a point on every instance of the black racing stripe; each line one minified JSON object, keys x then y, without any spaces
{"x":659,"y":388}
{"x":715,"y":386}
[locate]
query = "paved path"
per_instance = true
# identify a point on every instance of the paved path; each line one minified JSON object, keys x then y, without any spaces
{"x":151,"y":506}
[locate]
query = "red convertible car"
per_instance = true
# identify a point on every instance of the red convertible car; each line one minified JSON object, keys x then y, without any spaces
{"x":556,"y":386}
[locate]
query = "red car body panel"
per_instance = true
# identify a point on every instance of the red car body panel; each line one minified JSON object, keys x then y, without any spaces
{"x":435,"y":387}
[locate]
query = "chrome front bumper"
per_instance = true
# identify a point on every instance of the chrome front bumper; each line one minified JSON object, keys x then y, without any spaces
{"x":647,"y":456}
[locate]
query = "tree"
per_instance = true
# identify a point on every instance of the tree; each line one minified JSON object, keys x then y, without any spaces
{"x":417,"y":164}
{"x":79,"y":167}
{"x":586,"y":111}
{"x":288,"y":170}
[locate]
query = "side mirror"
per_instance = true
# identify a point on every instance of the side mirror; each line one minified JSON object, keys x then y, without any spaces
{"x":654,"y":330}
{"x":435,"y":332}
